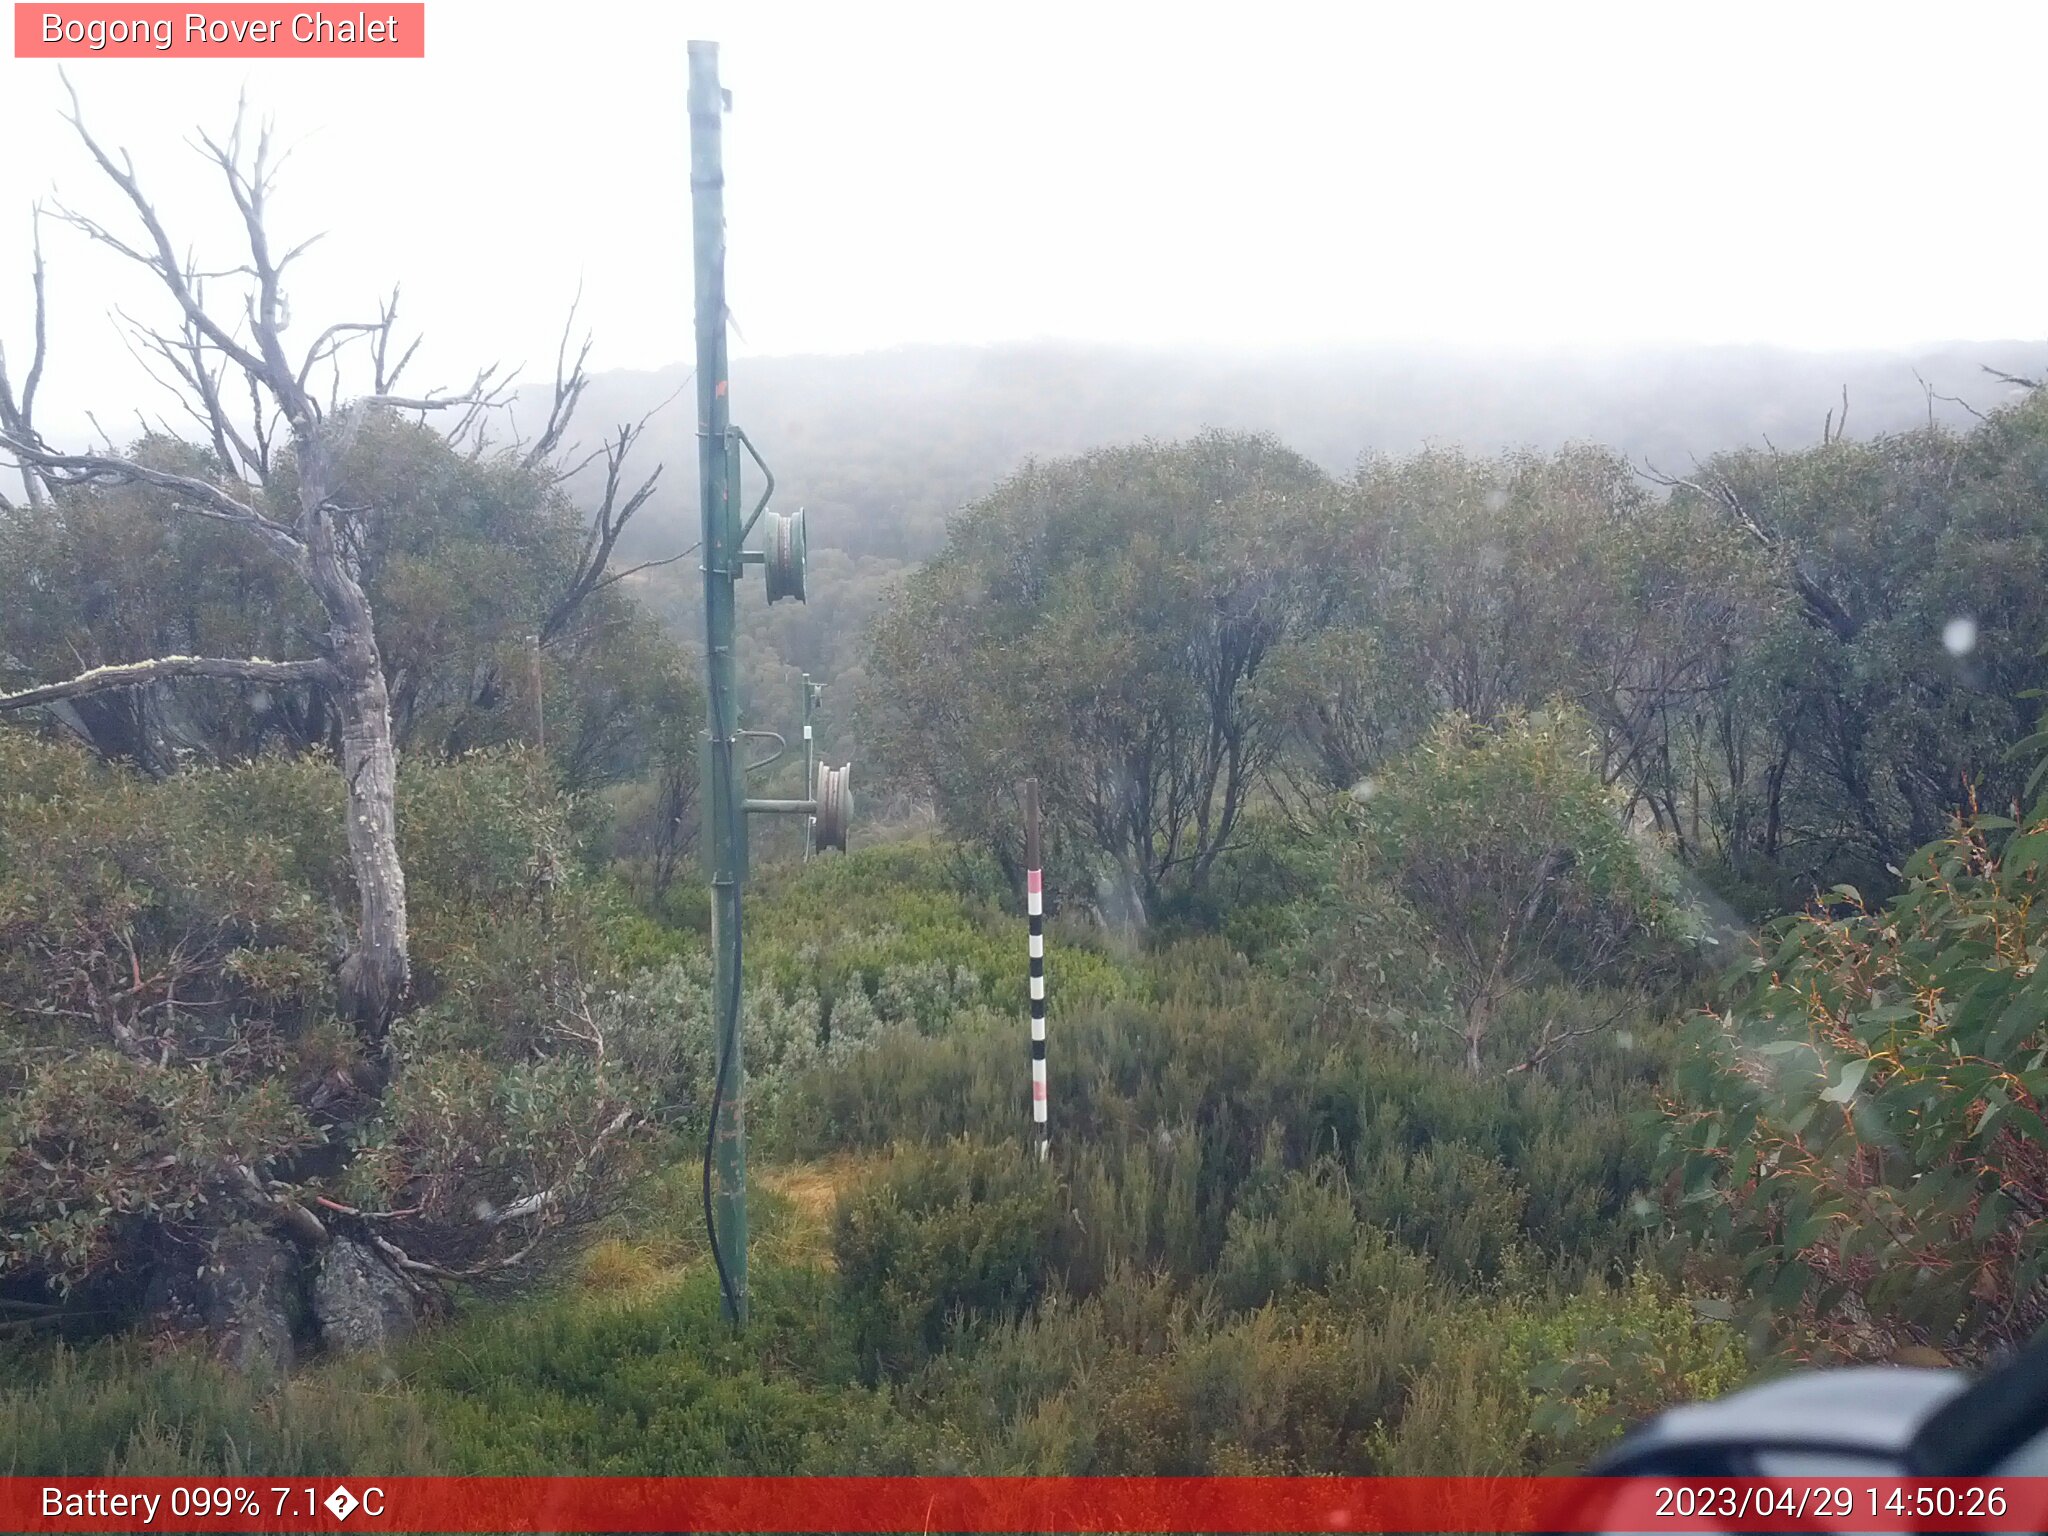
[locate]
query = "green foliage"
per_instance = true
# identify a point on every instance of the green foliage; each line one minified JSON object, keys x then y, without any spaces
{"x":1483,"y":863}
{"x":1485,"y":585}
{"x":1301,"y":1236}
{"x":912,"y":935}
{"x":164,"y":999}
{"x":166,"y":1002}
{"x":1862,"y":1127}
{"x":941,"y":1236}
{"x":1101,"y":624}
{"x":652,"y":1384}
{"x":662,"y":1028}
{"x":1268,"y":898}
{"x":104,"y":575}
{"x":1263,"y":1244}
{"x":119,"y":1410}
{"x":660,"y":1388}
{"x":463,"y":560}
{"x":1277,"y":1234}
{"x":1544,"y":1384}
{"x":1160,"y":1160}
{"x":1389,"y":1379}
{"x":1847,"y":732}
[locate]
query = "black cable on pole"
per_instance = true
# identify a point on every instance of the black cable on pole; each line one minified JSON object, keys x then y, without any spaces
{"x":725,"y":1285}
{"x":728,"y":1031}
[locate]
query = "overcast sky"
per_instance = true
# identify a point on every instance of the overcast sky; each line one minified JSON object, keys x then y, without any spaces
{"x":1281,"y":174}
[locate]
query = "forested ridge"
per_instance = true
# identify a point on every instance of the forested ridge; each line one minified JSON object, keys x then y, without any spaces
{"x":1541,"y":926}
{"x":882,"y":449}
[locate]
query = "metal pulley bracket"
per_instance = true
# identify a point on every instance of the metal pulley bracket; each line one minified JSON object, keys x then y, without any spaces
{"x":767,"y":490}
{"x":781,"y":747}
{"x":835,"y":806}
{"x":830,"y":807}
{"x":784,"y":556}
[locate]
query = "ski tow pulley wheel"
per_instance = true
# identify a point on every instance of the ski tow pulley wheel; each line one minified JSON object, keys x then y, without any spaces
{"x":835,"y":806}
{"x":785,"y":563}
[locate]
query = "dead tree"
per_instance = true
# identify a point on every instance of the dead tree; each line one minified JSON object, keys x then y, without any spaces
{"x":17,"y":412}
{"x":278,"y":448}
{"x":216,"y":354}
{"x":278,"y":427}
{"x":615,"y":504}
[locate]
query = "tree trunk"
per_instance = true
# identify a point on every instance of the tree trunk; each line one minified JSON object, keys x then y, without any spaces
{"x":1475,"y":1037}
{"x":377,"y":971}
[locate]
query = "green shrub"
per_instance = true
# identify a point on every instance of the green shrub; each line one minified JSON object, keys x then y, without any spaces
{"x":1452,"y":1202}
{"x":1161,"y":1156}
{"x":1487,"y":861}
{"x":1303,"y":1237}
{"x":1609,"y":1358}
{"x":167,"y":1005}
{"x":652,"y":1386}
{"x":118,"y":1410}
{"x":840,"y":924}
{"x":1862,"y":1128}
{"x":952,"y":1237}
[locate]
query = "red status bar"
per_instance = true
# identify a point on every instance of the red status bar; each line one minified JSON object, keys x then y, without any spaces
{"x":1025,"y":1504}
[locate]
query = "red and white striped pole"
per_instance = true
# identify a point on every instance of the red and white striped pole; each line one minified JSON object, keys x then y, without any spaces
{"x":1034,"y":906}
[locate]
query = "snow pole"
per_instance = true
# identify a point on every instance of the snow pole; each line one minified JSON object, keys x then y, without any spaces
{"x":1034,"y":907}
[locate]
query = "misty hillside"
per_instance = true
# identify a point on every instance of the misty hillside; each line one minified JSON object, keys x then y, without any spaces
{"x":881,"y":447}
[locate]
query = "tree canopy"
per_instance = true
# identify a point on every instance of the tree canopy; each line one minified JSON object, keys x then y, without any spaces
{"x":1104,"y":624}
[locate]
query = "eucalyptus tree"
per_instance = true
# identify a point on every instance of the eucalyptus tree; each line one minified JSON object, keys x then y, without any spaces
{"x":1892,"y":664}
{"x":1104,"y":623}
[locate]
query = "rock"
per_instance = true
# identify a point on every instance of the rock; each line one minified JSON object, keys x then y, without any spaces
{"x":244,"y":1297}
{"x":358,"y":1300}
{"x":251,"y":1297}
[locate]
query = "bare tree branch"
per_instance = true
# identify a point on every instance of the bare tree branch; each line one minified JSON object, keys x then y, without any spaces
{"x":17,"y":417}
{"x":2012,"y":378}
{"x":267,"y":315}
{"x":609,"y":519}
{"x":570,"y":382}
{"x":136,"y":674}
{"x":482,"y":394}
{"x":36,"y":360}
{"x":606,"y":524}
{"x":1840,"y":426}
{"x":542,"y":1201}
{"x":615,"y":577}
{"x":330,"y":342}
{"x":303,"y":1223}
{"x":164,"y":262}
{"x":1932,"y":396}
{"x":542,"y":1204}
{"x":384,"y":374}
{"x":201,"y":498}
{"x":1821,"y":607}
{"x":1554,"y":1040}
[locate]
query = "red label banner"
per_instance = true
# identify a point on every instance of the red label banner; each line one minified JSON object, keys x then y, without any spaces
{"x":227,"y":31}
{"x":1001,"y":1505}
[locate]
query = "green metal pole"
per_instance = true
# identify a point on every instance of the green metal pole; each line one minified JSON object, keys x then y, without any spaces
{"x":725,"y":848}
{"x":810,"y":768}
